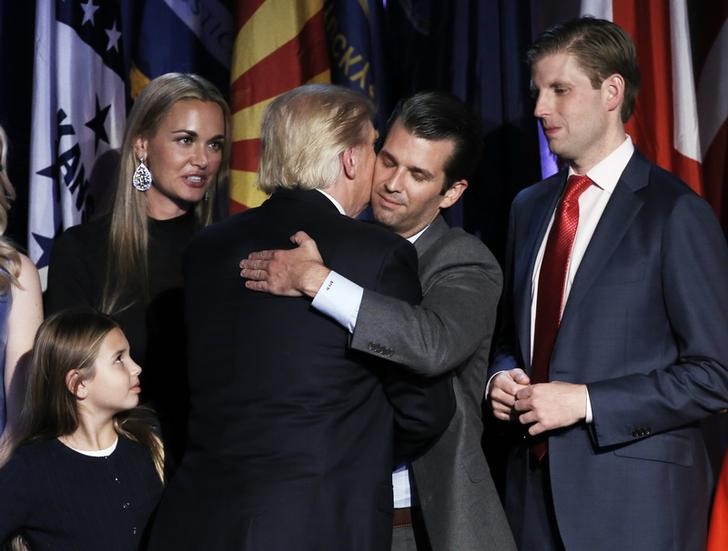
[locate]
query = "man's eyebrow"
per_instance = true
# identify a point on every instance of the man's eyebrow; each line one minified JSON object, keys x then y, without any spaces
{"x":426,"y":174}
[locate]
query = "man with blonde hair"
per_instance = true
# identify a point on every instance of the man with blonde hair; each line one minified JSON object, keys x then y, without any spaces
{"x":291,"y":441}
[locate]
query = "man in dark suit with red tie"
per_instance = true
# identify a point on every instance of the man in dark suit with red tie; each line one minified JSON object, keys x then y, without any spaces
{"x":291,"y":434}
{"x":615,"y":316}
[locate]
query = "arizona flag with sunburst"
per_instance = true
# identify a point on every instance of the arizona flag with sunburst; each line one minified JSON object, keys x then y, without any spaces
{"x":278,"y":45}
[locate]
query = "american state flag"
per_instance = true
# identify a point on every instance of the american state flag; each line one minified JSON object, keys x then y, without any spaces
{"x":79,"y":111}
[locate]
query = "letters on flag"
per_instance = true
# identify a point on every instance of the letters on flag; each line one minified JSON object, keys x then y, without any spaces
{"x":78,"y":115}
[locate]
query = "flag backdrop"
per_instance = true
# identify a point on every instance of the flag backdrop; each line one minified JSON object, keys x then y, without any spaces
{"x":79,"y":109}
{"x":710,"y":55}
{"x":278,"y":45}
{"x":182,"y":36}
{"x":681,"y":119}
{"x":355,"y":35}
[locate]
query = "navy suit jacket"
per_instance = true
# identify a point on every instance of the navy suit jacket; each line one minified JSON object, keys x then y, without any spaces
{"x":645,"y":327}
{"x":291,"y":432}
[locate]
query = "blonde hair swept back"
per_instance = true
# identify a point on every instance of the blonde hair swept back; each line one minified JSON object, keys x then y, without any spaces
{"x":305,"y":131}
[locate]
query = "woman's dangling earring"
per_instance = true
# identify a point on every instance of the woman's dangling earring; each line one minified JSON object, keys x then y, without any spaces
{"x":142,"y":178}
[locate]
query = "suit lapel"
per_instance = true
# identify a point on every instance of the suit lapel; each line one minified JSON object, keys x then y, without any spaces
{"x":431,"y":235}
{"x":538,"y":221}
{"x":618,"y":215}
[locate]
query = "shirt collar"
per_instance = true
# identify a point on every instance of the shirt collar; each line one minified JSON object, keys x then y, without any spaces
{"x":334,"y":201}
{"x":415,"y":237}
{"x":606,"y":173}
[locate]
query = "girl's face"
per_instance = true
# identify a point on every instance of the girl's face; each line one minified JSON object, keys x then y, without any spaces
{"x":115,"y":384}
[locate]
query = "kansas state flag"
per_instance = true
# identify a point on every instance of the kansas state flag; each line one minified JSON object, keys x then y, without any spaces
{"x":78,"y":114}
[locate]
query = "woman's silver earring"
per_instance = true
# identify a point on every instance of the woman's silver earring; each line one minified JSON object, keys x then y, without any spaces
{"x":142,"y":178}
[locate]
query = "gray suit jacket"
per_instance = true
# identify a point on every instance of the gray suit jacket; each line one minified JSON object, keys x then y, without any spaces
{"x":450,"y":329}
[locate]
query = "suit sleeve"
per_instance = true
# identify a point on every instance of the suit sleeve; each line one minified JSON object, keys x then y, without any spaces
{"x":695,"y":383}
{"x":504,"y":349}
{"x":70,"y":282}
{"x":422,"y":407}
{"x":456,"y":314}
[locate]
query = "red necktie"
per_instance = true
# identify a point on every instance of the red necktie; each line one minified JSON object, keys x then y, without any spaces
{"x":552,"y":281}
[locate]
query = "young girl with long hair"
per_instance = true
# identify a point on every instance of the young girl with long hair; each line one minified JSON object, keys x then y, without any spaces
{"x":85,"y":468}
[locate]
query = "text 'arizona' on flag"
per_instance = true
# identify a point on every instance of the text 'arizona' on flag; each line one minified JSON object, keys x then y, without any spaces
{"x":78,"y":114}
{"x":279,"y":45}
{"x":184,"y":37}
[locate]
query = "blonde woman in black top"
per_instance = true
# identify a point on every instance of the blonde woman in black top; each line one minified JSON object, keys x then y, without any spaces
{"x":173,"y":170}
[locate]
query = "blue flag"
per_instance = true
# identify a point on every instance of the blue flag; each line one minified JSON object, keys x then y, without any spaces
{"x":356,"y":46}
{"x":182,"y":36}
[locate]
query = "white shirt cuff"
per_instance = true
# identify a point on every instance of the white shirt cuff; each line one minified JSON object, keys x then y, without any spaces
{"x":487,"y":386}
{"x":589,"y":416}
{"x":339,"y":298}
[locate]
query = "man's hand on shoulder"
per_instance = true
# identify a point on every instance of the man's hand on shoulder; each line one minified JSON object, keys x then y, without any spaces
{"x":549,"y":406}
{"x":295,"y":272}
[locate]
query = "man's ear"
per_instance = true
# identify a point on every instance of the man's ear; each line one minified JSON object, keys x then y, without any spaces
{"x":452,"y":195}
{"x":613,"y":90}
{"x":75,"y":384}
{"x":349,"y":161}
{"x":140,"y":147}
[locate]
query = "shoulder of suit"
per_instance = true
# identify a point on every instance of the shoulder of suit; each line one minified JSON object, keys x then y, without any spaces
{"x":457,"y":244}
{"x":540,"y":189}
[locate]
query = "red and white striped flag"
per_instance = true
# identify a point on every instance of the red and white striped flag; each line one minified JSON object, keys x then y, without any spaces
{"x":278,"y":45}
{"x":665,"y":122}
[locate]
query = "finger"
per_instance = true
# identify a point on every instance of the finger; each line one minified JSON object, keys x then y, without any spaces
{"x":300,"y":237}
{"x":523,"y":405}
{"x":523,"y":393}
{"x":527,"y":418}
{"x":500,"y":407}
{"x":253,"y":275}
{"x":536,"y":429}
{"x":256,"y":285}
{"x":261,"y":255}
{"x":520,"y":377}
{"x":498,"y":395}
{"x":503,"y":416}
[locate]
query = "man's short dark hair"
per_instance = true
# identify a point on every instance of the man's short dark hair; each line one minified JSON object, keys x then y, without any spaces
{"x":601,"y":48}
{"x":438,"y":115}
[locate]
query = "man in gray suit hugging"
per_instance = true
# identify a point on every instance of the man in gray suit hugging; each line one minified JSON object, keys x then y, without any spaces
{"x":445,"y":499}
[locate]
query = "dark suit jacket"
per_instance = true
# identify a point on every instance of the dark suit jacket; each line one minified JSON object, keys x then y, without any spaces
{"x":450,"y":330}
{"x":291,"y":434}
{"x":646,"y":328}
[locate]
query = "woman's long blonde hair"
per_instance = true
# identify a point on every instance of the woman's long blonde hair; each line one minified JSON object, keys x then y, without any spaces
{"x":70,"y":340}
{"x":9,"y":257}
{"x":127,"y":266}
